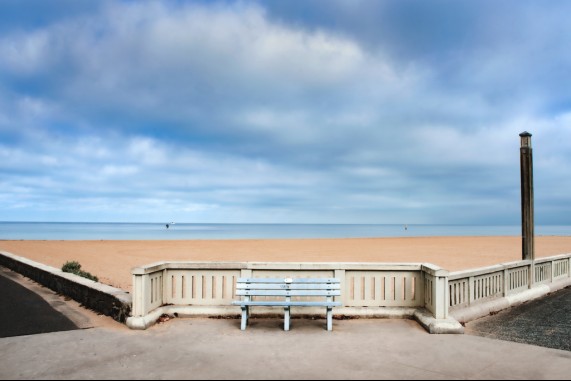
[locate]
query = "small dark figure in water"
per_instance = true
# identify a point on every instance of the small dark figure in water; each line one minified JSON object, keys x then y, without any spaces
{"x":168,"y":226}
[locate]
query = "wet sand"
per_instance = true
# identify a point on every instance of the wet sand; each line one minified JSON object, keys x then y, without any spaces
{"x":112,"y":261}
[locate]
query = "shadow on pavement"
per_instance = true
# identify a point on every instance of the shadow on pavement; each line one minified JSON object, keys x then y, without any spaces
{"x":22,"y":312}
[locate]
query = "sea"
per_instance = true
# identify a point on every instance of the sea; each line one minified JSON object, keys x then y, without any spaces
{"x":197,"y":231}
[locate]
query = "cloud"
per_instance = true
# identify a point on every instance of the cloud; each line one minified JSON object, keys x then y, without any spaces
{"x":130,"y":175}
{"x":156,"y":60}
{"x":283,"y":111}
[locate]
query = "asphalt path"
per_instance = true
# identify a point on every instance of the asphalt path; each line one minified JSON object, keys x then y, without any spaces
{"x":544,"y":322}
{"x":23,"y":312}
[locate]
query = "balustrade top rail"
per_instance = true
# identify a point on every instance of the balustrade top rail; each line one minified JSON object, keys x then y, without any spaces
{"x":455,"y":275}
{"x":553,"y":258}
{"x":160,"y":266}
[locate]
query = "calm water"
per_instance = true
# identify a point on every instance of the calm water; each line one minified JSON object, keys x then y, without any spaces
{"x":155,"y":231}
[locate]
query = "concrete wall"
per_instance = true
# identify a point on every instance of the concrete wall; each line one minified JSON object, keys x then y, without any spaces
{"x":101,"y":298}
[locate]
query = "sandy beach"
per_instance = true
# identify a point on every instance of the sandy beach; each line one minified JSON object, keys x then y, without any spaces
{"x":112,"y":261}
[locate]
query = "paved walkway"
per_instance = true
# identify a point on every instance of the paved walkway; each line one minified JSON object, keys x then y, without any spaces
{"x":217,"y":349}
{"x":545,"y":322}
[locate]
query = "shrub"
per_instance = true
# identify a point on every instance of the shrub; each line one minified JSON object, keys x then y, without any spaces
{"x":71,"y":267}
{"x":74,"y":267}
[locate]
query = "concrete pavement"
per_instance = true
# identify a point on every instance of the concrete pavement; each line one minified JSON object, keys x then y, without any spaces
{"x":217,"y":349}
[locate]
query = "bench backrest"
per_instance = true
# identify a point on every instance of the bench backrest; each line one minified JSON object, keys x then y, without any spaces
{"x":288,"y":287}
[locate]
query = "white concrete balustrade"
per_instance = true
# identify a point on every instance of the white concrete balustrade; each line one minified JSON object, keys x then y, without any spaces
{"x":367,"y":289}
{"x":208,"y":288}
{"x":475,"y":293}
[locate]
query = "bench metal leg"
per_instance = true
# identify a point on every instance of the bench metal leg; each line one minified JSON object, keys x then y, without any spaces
{"x":329,"y":319}
{"x":286,"y":318}
{"x":244,"y":318}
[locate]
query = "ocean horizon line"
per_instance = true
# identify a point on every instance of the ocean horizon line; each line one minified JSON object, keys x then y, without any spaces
{"x":264,"y":223}
{"x":20,"y":230}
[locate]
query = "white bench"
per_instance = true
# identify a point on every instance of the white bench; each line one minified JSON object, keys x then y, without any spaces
{"x":287,"y":288}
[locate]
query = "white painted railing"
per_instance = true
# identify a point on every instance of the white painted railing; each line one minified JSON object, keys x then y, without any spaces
{"x":561,"y":269}
{"x":365,"y":288}
{"x":470,"y":287}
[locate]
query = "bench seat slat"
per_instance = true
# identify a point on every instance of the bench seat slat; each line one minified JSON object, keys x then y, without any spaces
{"x":294,"y":280}
{"x":288,"y":293}
{"x":283,"y":286}
{"x":288,"y":304}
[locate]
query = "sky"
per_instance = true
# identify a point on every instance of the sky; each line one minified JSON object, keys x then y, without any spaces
{"x":314,"y":111}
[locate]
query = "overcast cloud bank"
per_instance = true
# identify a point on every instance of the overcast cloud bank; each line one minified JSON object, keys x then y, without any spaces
{"x":314,"y":111}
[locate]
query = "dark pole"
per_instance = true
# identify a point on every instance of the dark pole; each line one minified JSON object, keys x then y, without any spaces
{"x":527,"y":223}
